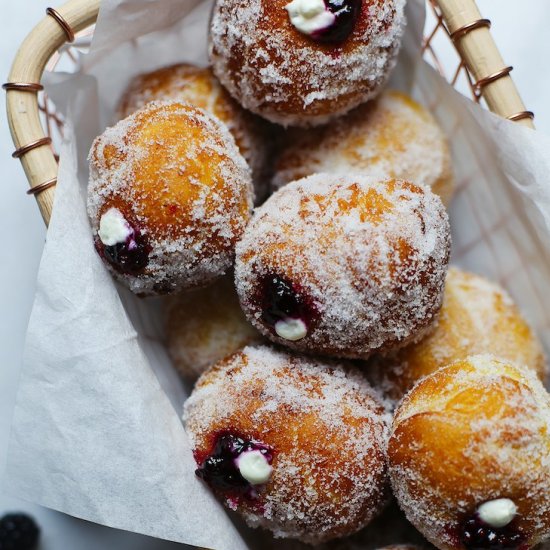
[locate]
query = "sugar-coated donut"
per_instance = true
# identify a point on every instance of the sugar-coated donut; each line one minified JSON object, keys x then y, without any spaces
{"x":477,"y":317}
{"x":392,"y":136}
{"x":303,"y":62}
{"x":169,"y":196}
{"x":389,"y":530}
{"x":344,"y":265}
{"x":294,"y":444}
{"x":469,"y":456}
{"x":205,"y":325}
{"x":199,"y":87}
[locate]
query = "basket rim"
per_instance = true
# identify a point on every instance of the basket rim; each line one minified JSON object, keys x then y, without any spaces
{"x":461,"y":19}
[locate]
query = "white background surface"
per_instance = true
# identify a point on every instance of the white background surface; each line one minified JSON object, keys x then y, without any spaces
{"x":522,"y":36}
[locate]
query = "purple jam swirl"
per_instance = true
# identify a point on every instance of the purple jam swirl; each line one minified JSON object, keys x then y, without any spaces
{"x":281,"y":299}
{"x":478,"y":535}
{"x":220,"y":469}
{"x":346,"y":13}
{"x":130,"y":257}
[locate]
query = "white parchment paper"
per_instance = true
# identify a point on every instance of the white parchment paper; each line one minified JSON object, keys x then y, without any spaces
{"x":96,"y":431}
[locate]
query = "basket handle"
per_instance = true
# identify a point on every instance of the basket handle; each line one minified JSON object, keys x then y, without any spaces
{"x":33,"y":147}
{"x":472,"y":37}
{"x":462,"y":18}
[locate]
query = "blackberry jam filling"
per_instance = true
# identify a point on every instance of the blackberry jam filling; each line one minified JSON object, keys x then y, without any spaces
{"x":130,"y":257}
{"x":329,"y":21}
{"x":236,"y":466}
{"x":121,"y":244}
{"x":346,"y":13}
{"x":478,"y":535}
{"x":286,"y":308}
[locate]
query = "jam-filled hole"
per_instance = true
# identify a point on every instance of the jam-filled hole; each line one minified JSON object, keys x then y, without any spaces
{"x":328,"y":21}
{"x":236,"y":466}
{"x":122,"y":243}
{"x":286,"y":308}
{"x":476,"y":534}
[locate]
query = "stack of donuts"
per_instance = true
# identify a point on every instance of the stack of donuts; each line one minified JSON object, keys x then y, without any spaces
{"x":295,"y":211}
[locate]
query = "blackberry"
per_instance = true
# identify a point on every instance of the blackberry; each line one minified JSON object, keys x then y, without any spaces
{"x":18,"y":532}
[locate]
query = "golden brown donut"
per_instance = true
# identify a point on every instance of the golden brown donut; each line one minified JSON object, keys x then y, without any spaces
{"x":278,"y":59}
{"x":477,"y":317}
{"x":389,"y":530}
{"x":469,"y":456}
{"x":205,"y":325}
{"x":295,"y":445}
{"x":344,"y":265}
{"x":169,"y":197}
{"x":199,"y":87}
{"x":392,"y":136}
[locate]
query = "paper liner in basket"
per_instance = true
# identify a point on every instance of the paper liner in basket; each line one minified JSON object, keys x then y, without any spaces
{"x":96,"y":430}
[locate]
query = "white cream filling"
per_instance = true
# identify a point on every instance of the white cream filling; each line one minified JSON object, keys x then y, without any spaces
{"x":309,"y":16}
{"x":254,"y":467}
{"x":497,"y":513}
{"x":113,"y":228}
{"x":291,"y":329}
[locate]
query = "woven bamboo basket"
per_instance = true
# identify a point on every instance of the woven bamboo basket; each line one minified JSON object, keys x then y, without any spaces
{"x":460,"y":20}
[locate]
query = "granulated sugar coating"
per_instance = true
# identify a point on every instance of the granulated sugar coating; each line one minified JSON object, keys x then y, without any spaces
{"x":473,"y":432}
{"x":389,"y":530}
{"x":477,"y":317}
{"x":392,"y":136}
{"x":361,"y":263}
{"x":174,"y":177}
{"x":199,"y":87}
{"x":324,"y":426}
{"x":283,"y":75}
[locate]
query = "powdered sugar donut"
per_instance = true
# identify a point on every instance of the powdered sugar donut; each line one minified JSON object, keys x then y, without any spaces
{"x":303,"y":62}
{"x":477,"y":317}
{"x":168,"y":198}
{"x":470,"y":456}
{"x":205,"y":325}
{"x":293,"y":444}
{"x":344,"y":265}
{"x":199,"y":87}
{"x":391,"y":137}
